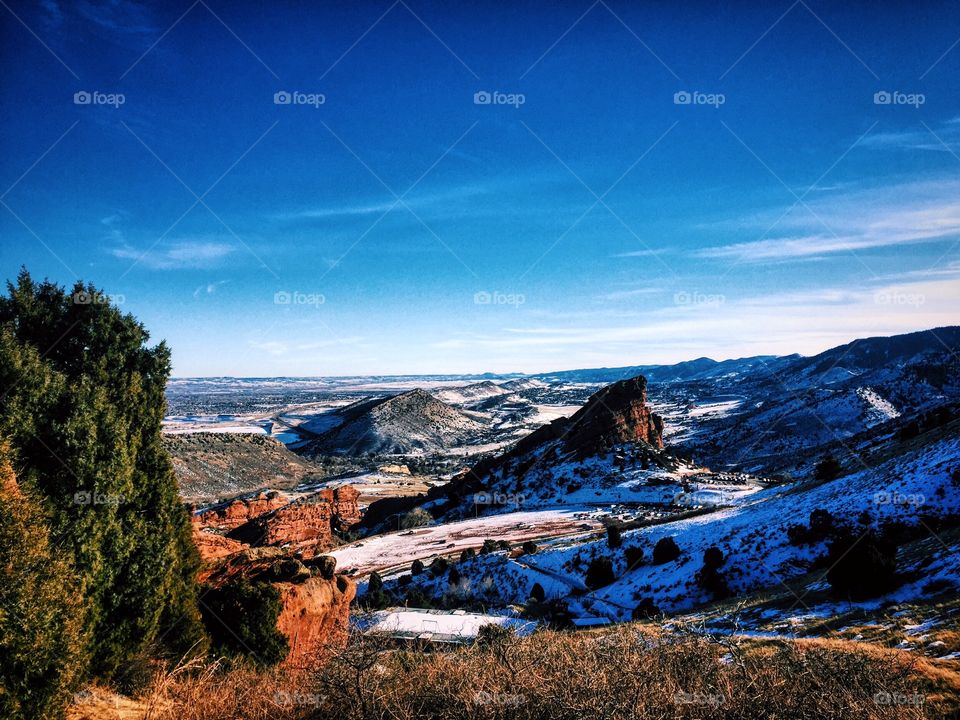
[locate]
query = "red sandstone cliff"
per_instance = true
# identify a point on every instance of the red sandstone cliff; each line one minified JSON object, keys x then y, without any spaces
{"x":305,"y":525}
{"x":315,"y":603}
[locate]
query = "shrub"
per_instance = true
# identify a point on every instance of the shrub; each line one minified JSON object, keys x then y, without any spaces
{"x":634,"y":556}
{"x":417,"y":598}
{"x":537,"y":593}
{"x":416,"y":567}
{"x":614,"y":537}
{"x":418,"y":517}
{"x":863,"y":567}
{"x":645,"y":609}
{"x":468,"y":554}
{"x":665,"y":551}
{"x":492,"y":634}
{"x":453,"y":577}
{"x":241,"y":617}
{"x":709,"y":577}
{"x":599,"y":573}
{"x":529,"y":547}
{"x":829,"y":468}
{"x":439,"y":566}
{"x":488,"y":547}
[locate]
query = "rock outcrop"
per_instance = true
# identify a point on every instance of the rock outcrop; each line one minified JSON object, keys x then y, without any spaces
{"x":237,"y":512}
{"x":616,"y":415}
{"x":315,"y":603}
{"x":306,"y":525}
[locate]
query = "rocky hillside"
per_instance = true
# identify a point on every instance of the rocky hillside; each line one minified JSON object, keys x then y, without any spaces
{"x":409,"y":423}
{"x":210,"y":466}
{"x":593,"y":446}
{"x":791,"y":409}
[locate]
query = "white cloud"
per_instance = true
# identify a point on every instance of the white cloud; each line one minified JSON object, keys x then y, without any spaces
{"x":903,"y":214}
{"x":176,"y":256}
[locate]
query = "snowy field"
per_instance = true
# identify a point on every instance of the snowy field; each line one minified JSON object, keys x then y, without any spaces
{"x":399,"y":549}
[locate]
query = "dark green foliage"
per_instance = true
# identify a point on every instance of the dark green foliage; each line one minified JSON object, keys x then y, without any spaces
{"x":645,"y":609}
{"x":828,"y":469}
{"x":633,"y":556}
{"x":529,"y":547}
{"x":822,"y":527}
{"x":467,"y":554}
{"x":82,"y":409}
{"x":417,"y":598}
{"x":862,"y":566}
{"x":614,"y":537}
{"x":439,"y":566}
{"x":709,"y":577}
{"x":453,"y":577}
{"x":491,"y":634}
{"x":416,"y":567}
{"x":599,"y":573}
{"x":537,"y":593}
{"x":376,"y":597}
{"x":40,"y":622}
{"x":489,"y":546}
{"x":665,"y":551}
{"x":241,"y":617}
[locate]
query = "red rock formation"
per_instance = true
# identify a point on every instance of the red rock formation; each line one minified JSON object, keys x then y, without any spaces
{"x":315,"y":616}
{"x":615,"y":414}
{"x":237,"y":512}
{"x":346,"y":511}
{"x":315,"y":603}
{"x":306,"y":525}
{"x":214,"y":547}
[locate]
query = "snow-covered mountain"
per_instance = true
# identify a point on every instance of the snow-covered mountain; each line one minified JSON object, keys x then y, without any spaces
{"x":409,"y":423}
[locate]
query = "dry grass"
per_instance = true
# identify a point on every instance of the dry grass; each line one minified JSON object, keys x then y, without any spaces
{"x":629,"y":672}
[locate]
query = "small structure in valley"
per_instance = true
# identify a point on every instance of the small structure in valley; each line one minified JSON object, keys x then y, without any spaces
{"x":440,"y":627}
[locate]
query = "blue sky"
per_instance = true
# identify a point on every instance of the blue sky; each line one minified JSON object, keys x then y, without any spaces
{"x":586,"y":216}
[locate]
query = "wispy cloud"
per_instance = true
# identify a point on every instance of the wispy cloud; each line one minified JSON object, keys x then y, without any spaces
{"x":209,"y":288}
{"x":118,"y":16}
{"x":882,"y":217}
{"x":618,"y":295}
{"x":641,"y":253}
{"x":176,"y":256}
{"x":944,"y":137}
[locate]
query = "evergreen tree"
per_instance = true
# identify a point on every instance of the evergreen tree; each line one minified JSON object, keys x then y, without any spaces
{"x":82,"y":409}
{"x":41,"y":634}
